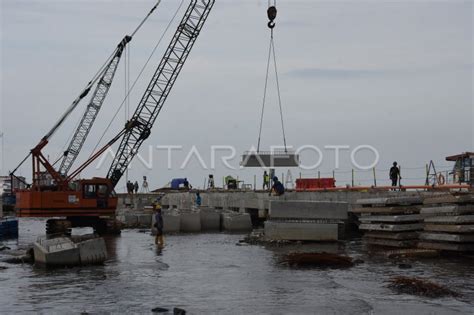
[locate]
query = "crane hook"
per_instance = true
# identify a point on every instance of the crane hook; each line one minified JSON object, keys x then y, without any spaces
{"x":271,"y":13}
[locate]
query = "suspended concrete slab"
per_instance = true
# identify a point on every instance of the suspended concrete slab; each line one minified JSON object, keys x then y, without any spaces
{"x":270,"y":159}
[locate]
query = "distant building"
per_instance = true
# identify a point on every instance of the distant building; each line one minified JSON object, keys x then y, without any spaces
{"x":6,"y":184}
{"x":463,"y":171}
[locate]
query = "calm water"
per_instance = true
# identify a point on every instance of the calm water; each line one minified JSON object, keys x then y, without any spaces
{"x":208,"y":273}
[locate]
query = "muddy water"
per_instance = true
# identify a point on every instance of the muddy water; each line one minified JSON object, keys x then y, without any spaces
{"x":208,"y":273}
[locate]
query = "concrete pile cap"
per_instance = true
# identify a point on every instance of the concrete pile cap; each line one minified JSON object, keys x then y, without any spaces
{"x":387,"y":210}
{"x":391,"y":201}
{"x":190,"y":222}
{"x":236,"y":221}
{"x":391,"y":218}
{"x":55,"y":244}
{"x":282,"y":209}
{"x":445,"y":237}
{"x":464,"y":198}
{"x":447,"y":210}
{"x":92,"y":251}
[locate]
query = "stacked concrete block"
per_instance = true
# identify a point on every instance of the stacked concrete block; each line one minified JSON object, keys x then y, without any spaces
{"x":62,"y":251}
{"x":210,"y":219}
{"x":391,"y":222}
{"x":448,"y":223}
{"x":236,"y":222}
{"x":190,"y":221}
{"x":92,"y":251}
{"x":306,"y":220}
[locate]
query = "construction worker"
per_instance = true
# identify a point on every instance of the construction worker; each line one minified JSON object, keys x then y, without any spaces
{"x":198,"y":199}
{"x":159,"y":226}
{"x":394,"y":174}
{"x":266,"y":180}
{"x":278,"y":189}
{"x":135,"y":187}
{"x":129,"y":187}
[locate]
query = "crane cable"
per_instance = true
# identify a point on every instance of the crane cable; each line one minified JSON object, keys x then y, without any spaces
{"x":100,"y":73}
{"x":137,"y":78}
{"x":271,"y":12}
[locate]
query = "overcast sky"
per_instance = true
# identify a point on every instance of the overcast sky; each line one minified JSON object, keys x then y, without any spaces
{"x":395,"y":75}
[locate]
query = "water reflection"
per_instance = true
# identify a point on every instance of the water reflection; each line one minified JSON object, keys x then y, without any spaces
{"x":208,"y":273}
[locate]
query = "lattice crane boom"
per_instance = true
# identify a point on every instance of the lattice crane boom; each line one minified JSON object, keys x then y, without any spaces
{"x":138,"y":128}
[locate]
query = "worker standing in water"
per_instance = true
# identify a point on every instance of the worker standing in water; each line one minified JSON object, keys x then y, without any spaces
{"x":159,"y":226}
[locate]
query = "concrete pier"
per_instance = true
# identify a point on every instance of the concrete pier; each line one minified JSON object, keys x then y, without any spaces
{"x":236,"y":222}
{"x":190,"y":221}
{"x":210,"y":220}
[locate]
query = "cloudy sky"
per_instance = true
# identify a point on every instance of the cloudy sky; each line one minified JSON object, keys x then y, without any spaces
{"x":395,"y":75}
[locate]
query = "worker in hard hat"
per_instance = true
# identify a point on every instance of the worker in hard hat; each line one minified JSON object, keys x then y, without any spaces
{"x":159,"y":226}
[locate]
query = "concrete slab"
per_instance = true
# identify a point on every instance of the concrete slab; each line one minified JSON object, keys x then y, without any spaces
{"x":447,"y":210}
{"x":450,"y":228}
{"x":391,"y":227}
{"x":233,"y":222}
{"x":391,"y":243}
{"x":445,"y":237}
{"x":458,"y":247}
{"x":468,"y":198}
{"x":391,"y":218}
{"x":402,"y":201}
{"x":300,"y":231}
{"x":190,"y":222}
{"x":388,"y":210}
{"x":283,"y":209}
{"x":278,"y":159}
{"x":460,"y":219}
{"x":392,"y":235}
{"x":92,"y":251}
{"x":59,"y":251}
{"x":210,"y":219}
